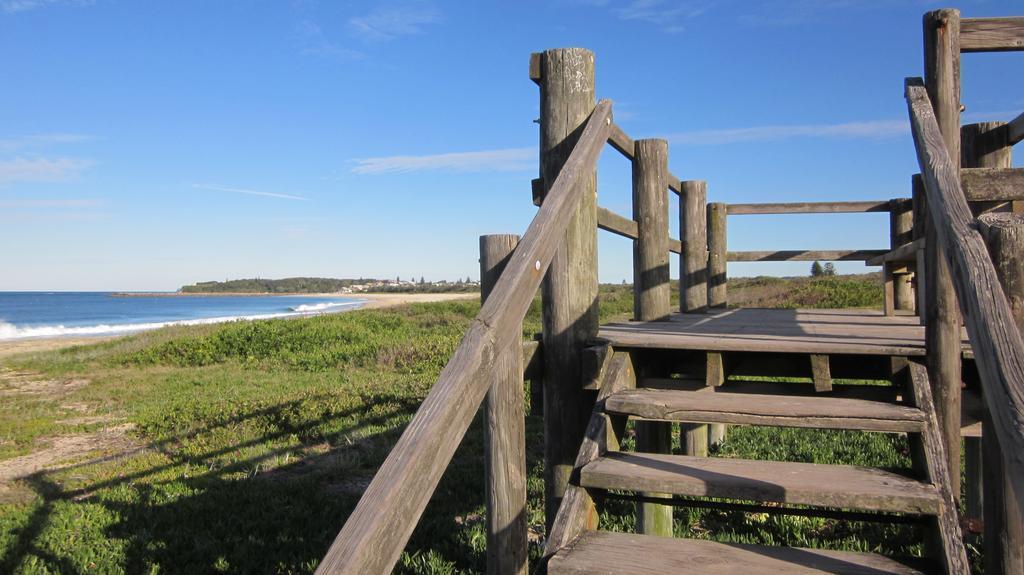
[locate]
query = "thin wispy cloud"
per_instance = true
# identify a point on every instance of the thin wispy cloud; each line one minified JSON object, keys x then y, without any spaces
{"x":869,"y":130}
{"x":42,"y":169}
{"x":669,"y":15}
{"x":218,"y":188}
{"x":48,"y":204}
{"x":782,"y":13}
{"x":41,"y":140}
{"x":314,"y":42}
{"x":14,"y":6}
{"x":391,"y":22}
{"x":503,"y":160}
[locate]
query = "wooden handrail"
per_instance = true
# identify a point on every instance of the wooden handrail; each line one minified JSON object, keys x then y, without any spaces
{"x":610,"y":221}
{"x":377,"y":531}
{"x":992,"y":34}
{"x":622,"y":143}
{"x":809,"y":208}
{"x":804,"y":255}
{"x":1015,"y":130}
{"x":997,"y":344}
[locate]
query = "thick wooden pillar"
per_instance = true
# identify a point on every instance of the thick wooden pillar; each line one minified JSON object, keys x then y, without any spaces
{"x":566,"y":79}
{"x":504,"y":435}
{"x":942,"y":321}
{"x":717,"y":246}
{"x":693,"y":262}
{"x":651,"y":295}
{"x":982,"y":145}
{"x":901,"y":223}
{"x":1004,"y":523}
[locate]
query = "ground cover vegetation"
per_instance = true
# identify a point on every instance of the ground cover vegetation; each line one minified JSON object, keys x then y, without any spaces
{"x":243,"y":447}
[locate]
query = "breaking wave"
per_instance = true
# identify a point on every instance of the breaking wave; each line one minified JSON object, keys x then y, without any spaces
{"x":10,"y":331}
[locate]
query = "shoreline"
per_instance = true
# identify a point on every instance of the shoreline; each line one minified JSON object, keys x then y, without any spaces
{"x":11,"y":347}
{"x":356,"y":295}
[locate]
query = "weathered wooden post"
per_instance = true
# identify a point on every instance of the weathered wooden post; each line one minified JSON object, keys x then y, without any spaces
{"x":651,"y":295}
{"x":566,"y":79}
{"x":504,"y":435}
{"x":717,"y":242}
{"x":693,"y":262}
{"x":693,"y":265}
{"x":982,"y":145}
{"x":1004,"y":523}
{"x":942,"y":322}
{"x":901,"y":222}
{"x":920,"y":204}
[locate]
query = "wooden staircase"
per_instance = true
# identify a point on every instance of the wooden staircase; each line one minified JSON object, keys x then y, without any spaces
{"x":836,"y":491}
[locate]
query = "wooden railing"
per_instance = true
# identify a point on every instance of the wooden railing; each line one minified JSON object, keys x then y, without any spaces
{"x":379,"y":528}
{"x":996,"y":342}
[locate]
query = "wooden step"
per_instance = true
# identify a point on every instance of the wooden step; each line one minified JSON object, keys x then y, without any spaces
{"x":841,"y":486}
{"x":709,"y":405}
{"x":605,"y":553}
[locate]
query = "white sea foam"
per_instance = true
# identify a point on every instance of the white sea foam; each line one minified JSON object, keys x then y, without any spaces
{"x":10,"y":332}
{"x":315,"y":307}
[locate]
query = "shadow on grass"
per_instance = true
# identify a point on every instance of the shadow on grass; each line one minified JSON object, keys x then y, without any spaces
{"x":237,"y":519}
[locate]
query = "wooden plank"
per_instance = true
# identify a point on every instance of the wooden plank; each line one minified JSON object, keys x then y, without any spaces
{"x":610,"y":221}
{"x":717,"y":228}
{"x":942,"y":313}
{"x":693,"y":261}
{"x":621,"y":141}
{"x":995,"y":340}
{"x":804,"y":255}
{"x":835,"y":332}
{"x":715,"y":372}
{"x":1015,"y":130}
{"x":993,"y":184}
{"x":820,"y":373}
{"x":992,"y":34}
{"x":725,"y":406}
{"x":378,"y":528}
{"x":809,"y":208}
{"x":606,"y":553}
{"x":504,"y":434}
{"x":577,"y":512}
{"x":844,"y":486}
{"x":905,"y":253}
{"x":596,"y":359}
{"x":954,"y":555}
{"x":569,"y":291}
{"x":1004,"y":521}
{"x":535,"y":67}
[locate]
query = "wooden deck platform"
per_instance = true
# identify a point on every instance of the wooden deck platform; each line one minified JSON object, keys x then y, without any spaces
{"x":813,"y":331}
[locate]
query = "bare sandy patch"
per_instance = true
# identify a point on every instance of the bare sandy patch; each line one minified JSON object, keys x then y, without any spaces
{"x":382,"y":300}
{"x":64,"y":450}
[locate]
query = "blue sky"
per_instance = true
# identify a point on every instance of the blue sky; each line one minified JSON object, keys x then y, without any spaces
{"x":145,"y":145}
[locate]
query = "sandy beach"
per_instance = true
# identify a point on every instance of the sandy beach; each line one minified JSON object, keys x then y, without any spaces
{"x":373,"y":301}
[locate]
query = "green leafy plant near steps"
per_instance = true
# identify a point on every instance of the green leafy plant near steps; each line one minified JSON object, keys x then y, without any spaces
{"x":251,"y":442}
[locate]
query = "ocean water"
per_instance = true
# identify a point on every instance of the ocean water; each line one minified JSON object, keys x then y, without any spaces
{"x":53,"y":314}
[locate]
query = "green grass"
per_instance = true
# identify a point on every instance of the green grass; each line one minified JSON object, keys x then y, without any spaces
{"x":254,"y":442}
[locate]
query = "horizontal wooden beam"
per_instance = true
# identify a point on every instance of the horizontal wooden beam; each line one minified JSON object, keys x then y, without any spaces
{"x":992,"y":34}
{"x":609,"y":221}
{"x":621,"y":141}
{"x":1015,"y":130}
{"x":805,"y":256}
{"x":905,"y":253}
{"x":992,"y":184}
{"x":996,"y":342}
{"x":809,"y":208}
